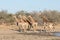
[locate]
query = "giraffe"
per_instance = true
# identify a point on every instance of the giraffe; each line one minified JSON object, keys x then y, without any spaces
{"x":47,"y":24}
{"x":21,"y":23}
{"x":27,"y":21}
{"x":33,"y":23}
{"x":24,"y":23}
{"x":51,"y":26}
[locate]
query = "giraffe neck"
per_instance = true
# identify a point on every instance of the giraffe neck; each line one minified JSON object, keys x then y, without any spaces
{"x":45,"y":19}
{"x":16,"y":19}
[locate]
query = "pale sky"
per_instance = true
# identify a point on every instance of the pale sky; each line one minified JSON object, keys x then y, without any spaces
{"x":29,"y":5}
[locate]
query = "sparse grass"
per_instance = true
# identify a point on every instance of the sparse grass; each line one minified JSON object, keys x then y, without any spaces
{"x":7,"y":34}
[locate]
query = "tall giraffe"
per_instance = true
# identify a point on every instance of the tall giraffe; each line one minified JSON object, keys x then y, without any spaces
{"x":24,"y":22}
{"x":33,"y":22}
{"x":27,"y":21}
{"x":21,"y":23}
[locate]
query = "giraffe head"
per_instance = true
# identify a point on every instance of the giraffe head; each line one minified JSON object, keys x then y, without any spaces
{"x":30,"y":16}
{"x":14,"y":16}
{"x":20,"y":16}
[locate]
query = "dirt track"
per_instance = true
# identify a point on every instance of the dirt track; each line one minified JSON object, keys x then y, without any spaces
{"x":7,"y":34}
{"x":13,"y":35}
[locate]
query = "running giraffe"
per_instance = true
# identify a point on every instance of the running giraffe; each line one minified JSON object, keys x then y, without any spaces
{"x":21,"y":23}
{"x":33,"y":22}
{"x":47,"y":24}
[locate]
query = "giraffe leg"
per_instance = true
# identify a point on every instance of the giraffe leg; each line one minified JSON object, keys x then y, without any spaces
{"x":34,"y":27}
{"x":20,"y":28}
{"x":45,"y":26}
{"x":25,"y":27}
{"x":53,"y":29}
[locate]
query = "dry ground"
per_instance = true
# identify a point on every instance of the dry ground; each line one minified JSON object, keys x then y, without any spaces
{"x":7,"y":34}
{"x":12,"y":35}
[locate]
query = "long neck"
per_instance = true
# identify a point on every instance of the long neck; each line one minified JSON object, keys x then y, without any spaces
{"x":16,"y":19}
{"x":25,"y":19}
{"x":32,"y":20}
{"x":45,"y":19}
{"x":21,"y":20}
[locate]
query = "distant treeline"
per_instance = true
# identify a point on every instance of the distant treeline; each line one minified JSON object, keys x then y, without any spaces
{"x":52,"y":15}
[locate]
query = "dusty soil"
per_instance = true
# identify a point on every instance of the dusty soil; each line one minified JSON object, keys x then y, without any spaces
{"x":7,"y":34}
{"x":13,"y":35}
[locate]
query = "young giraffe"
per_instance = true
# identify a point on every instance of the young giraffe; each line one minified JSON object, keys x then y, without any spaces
{"x":33,"y":22}
{"x":47,"y":24}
